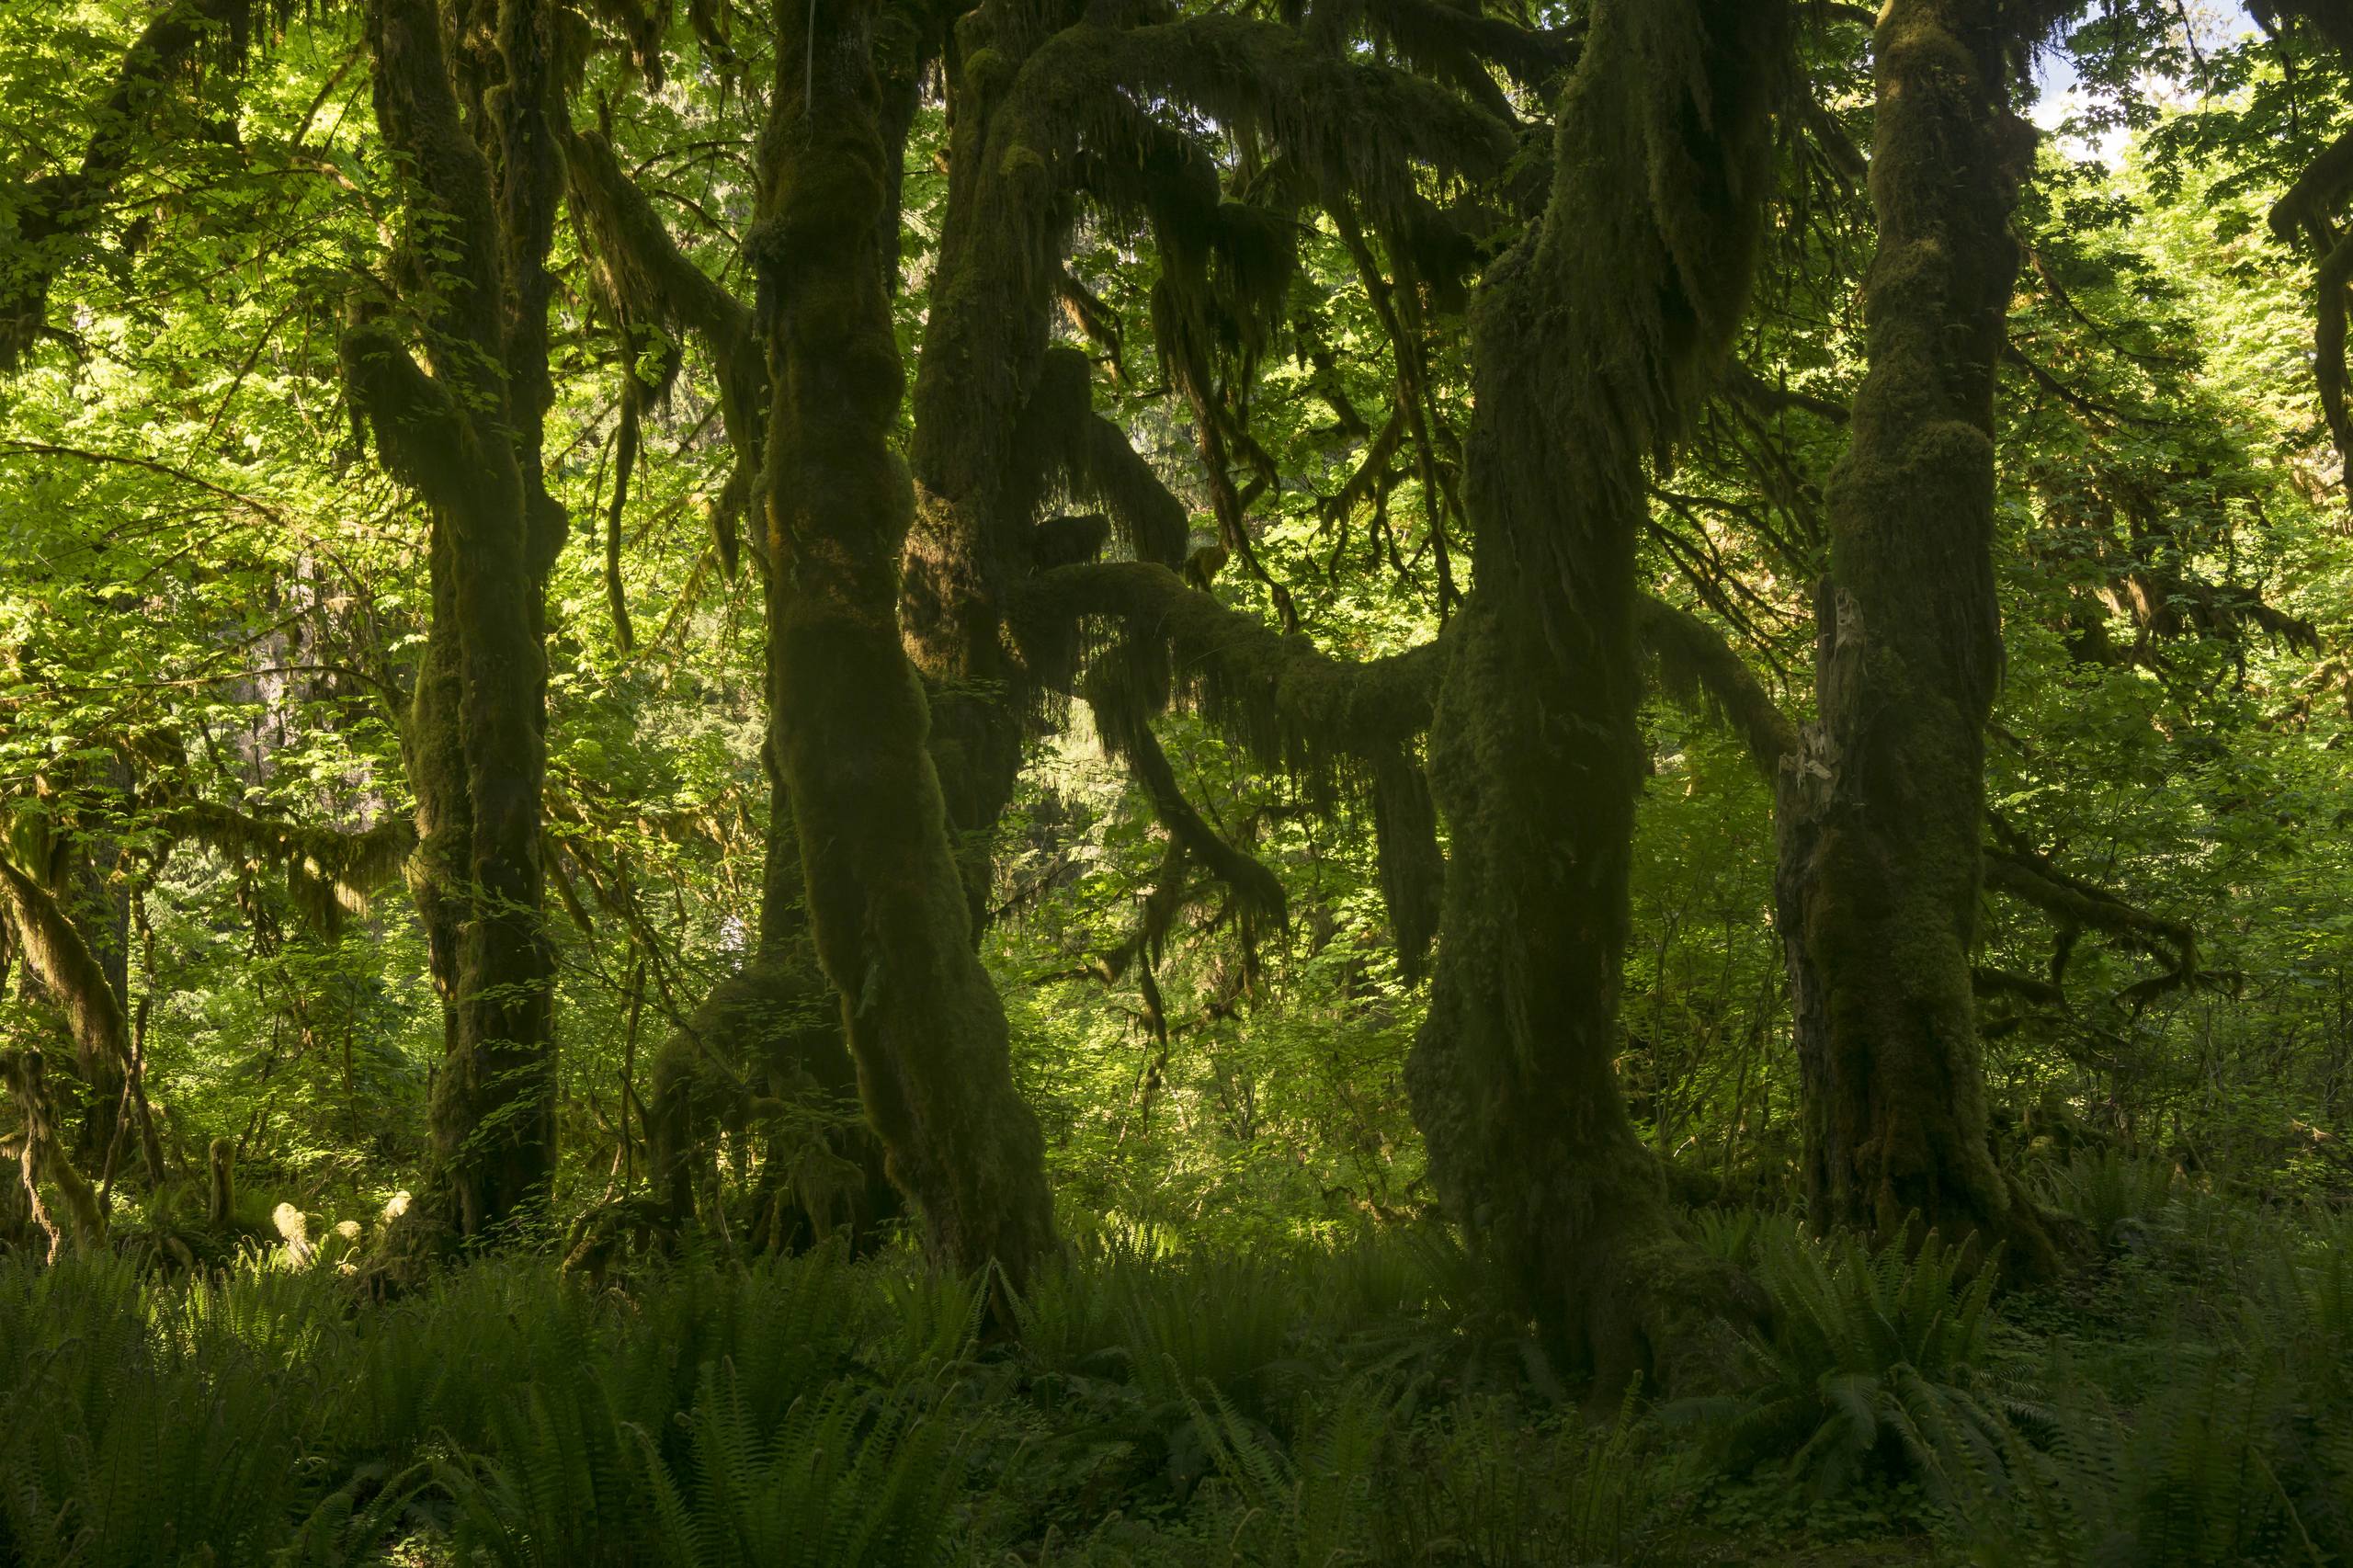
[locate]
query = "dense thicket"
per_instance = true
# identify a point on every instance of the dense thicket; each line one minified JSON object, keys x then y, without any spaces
{"x":1145,"y":780}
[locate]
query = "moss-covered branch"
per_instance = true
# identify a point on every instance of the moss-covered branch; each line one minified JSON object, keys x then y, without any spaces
{"x":418,"y":425}
{"x":1694,"y":661}
{"x":2014,"y":867}
{"x":61,"y":209}
{"x":1460,"y":45}
{"x":42,"y":1157}
{"x":1350,"y":126}
{"x":329,"y":873}
{"x":1126,"y":727}
{"x":1062,"y":440}
{"x":1292,"y":705}
{"x":453,"y":205}
{"x":654,"y":279}
{"x":54,"y":949}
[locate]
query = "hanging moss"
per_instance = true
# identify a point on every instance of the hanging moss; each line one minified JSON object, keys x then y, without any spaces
{"x":1592,"y":343}
{"x":56,"y":211}
{"x":55,"y":950}
{"x":1696,"y":664}
{"x":1296,"y":709}
{"x":42,"y":1156}
{"x":1260,"y":902}
{"x":1460,"y":45}
{"x":329,"y":875}
{"x":1353,"y":125}
{"x":1063,"y":444}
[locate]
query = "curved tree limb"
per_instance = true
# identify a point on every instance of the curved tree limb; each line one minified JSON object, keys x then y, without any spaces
{"x":1290,"y":703}
{"x":1694,"y":661}
{"x":1126,"y":727}
{"x":61,"y":209}
{"x":54,"y":949}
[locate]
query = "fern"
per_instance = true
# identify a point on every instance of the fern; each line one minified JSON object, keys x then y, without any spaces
{"x":1875,"y":1365}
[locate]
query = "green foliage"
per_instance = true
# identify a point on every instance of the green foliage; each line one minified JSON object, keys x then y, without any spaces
{"x":1875,"y":1361}
{"x":1260,"y":1349}
{"x":2114,"y":1194}
{"x":1372,"y":1405}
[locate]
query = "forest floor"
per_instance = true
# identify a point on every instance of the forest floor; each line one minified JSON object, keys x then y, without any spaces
{"x":2187,"y":1398}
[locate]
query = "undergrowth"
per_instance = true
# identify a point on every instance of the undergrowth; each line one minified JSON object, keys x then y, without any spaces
{"x":2184,"y":1399}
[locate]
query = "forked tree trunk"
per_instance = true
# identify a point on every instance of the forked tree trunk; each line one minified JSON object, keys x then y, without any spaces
{"x":886,"y":902}
{"x":1882,"y":812}
{"x":1590,"y":346}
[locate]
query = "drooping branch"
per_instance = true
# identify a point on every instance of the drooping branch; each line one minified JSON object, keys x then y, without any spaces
{"x":41,"y":1153}
{"x":55,"y":950}
{"x":1062,"y":440}
{"x":1460,"y":45}
{"x":1350,"y":126}
{"x":2014,"y":867}
{"x":329,"y":874}
{"x":1694,"y":661}
{"x":1290,"y":705}
{"x":1126,"y":726}
{"x":1293,"y":705}
{"x":657,"y":280}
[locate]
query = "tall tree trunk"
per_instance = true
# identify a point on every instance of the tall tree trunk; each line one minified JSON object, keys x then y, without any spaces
{"x":1589,"y":346}
{"x":768,"y":1039}
{"x":1881,"y":814}
{"x":468,"y":437}
{"x":886,"y":902}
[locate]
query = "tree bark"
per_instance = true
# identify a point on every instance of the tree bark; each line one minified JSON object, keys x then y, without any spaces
{"x":767,"y":1048}
{"x":886,"y":902}
{"x":1590,"y":345}
{"x":468,"y":436}
{"x":984,"y":347}
{"x":1881,"y":811}
{"x":766,"y":1045}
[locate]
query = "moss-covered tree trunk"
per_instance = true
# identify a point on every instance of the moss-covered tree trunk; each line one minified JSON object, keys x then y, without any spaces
{"x":765,"y":1054}
{"x":1882,"y":812}
{"x":984,"y":344}
{"x":1590,"y":343}
{"x":886,"y":902}
{"x":464,"y":429}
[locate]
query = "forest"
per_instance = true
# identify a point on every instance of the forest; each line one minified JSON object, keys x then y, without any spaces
{"x":874,"y":783}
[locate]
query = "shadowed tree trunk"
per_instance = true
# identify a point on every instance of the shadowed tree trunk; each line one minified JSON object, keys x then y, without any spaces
{"x":1590,"y":343}
{"x":766,"y":1048}
{"x":1881,"y":814}
{"x":765,"y":1052}
{"x":482,"y":201}
{"x":886,"y":903}
{"x":984,"y":344}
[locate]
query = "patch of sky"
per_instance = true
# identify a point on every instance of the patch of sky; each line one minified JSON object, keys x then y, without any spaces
{"x":2059,"y":95}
